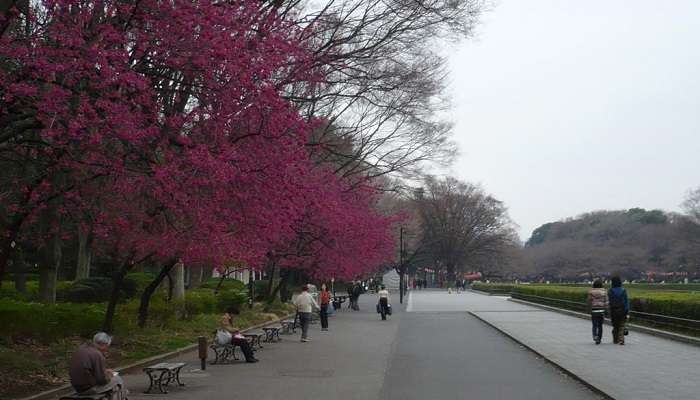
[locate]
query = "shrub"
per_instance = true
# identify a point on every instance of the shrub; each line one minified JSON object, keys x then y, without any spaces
{"x":98,"y":289}
{"x":231,"y":298}
{"x":139,"y":281}
{"x":228,"y":284}
{"x":260,"y":290}
{"x":49,"y":322}
{"x":200,"y":301}
{"x":9,"y":292}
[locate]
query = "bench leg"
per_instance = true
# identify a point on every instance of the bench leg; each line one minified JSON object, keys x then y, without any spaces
{"x":217,"y":356}
{"x":157,"y":382}
{"x":177,"y":377}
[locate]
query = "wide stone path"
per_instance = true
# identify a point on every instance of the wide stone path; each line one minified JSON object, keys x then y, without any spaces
{"x":647,"y":367}
{"x":441,"y":354}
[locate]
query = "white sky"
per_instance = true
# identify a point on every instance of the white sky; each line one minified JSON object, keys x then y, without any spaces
{"x":568,"y":106}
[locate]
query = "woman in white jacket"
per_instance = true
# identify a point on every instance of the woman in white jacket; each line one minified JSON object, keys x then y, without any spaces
{"x":383,"y":302}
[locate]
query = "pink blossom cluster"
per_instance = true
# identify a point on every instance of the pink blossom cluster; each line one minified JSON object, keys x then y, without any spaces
{"x":163,"y":127}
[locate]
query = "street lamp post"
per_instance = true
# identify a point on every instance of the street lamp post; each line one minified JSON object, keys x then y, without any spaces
{"x":401,"y":266}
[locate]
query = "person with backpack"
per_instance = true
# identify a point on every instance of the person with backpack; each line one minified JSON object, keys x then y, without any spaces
{"x":598,"y":304}
{"x":619,"y":308}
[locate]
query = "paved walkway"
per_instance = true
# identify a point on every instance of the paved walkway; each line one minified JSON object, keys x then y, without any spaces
{"x":346,"y":362}
{"x":441,"y":351}
{"x":647,"y":367}
{"x":412,"y":356}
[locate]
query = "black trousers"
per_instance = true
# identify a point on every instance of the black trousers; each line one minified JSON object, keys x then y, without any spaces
{"x":324,"y":316}
{"x":617,"y":317}
{"x":597,"y":318}
{"x":245,"y":348}
{"x":383,"y":307}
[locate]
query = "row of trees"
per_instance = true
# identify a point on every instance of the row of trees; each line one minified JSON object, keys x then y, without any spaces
{"x":254,"y":132}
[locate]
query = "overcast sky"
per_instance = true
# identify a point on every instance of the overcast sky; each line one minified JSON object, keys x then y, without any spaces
{"x":567,"y":106}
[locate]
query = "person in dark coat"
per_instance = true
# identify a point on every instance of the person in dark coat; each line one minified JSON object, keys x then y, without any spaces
{"x":619,"y":309}
{"x":356,"y":292}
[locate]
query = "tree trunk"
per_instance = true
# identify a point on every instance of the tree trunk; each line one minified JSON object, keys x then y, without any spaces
{"x":207,"y":272}
{"x":179,"y":287}
{"x":8,"y":247}
{"x":221,"y":282}
{"x":273,"y":296}
{"x":20,"y":268}
{"x":169,"y":275}
{"x":48,"y":274}
{"x":117,"y":281}
{"x":271,"y":283}
{"x":82,"y":270}
{"x":149,"y":290}
{"x":196,"y":274}
{"x":285,"y":295}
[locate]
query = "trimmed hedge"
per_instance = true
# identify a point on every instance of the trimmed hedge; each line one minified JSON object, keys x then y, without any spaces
{"x":21,"y":319}
{"x":642,"y":298}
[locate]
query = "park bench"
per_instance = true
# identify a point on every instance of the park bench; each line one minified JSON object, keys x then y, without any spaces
{"x":160,"y":375}
{"x":255,"y":339}
{"x":223,"y":353}
{"x":272,"y":332}
{"x":288,"y":326}
{"x":338,"y":302}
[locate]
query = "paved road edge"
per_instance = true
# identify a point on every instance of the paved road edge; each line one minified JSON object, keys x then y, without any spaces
{"x":557,"y":365}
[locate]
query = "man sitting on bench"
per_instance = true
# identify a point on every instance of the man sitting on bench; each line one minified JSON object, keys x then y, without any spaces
{"x":88,"y":372}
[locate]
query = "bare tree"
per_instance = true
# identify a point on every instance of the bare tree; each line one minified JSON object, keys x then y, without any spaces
{"x":463,"y":227}
{"x":691,"y":205}
{"x":382,"y":90}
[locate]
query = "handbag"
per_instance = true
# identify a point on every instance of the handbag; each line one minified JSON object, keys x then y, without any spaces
{"x":388,"y":309}
{"x":223,"y":336}
{"x":379,"y":308}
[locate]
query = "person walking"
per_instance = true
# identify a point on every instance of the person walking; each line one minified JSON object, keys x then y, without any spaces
{"x":305,"y":304}
{"x":356,"y":291}
{"x":619,"y":308}
{"x":237,"y":339}
{"x":383,"y":302}
{"x":597,"y":303}
{"x":351,"y":298}
{"x":325,"y":299}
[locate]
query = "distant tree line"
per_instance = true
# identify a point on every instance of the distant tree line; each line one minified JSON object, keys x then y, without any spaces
{"x":635,"y":243}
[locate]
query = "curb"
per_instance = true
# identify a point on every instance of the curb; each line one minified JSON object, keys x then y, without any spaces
{"x":633,"y":327}
{"x":555,"y":364}
{"x":66,"y":389}
{"x":485,"y":293}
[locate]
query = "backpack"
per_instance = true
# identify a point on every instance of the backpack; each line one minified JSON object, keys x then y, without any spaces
{"x":617,"y":303}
